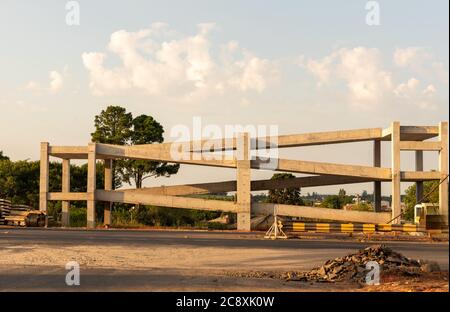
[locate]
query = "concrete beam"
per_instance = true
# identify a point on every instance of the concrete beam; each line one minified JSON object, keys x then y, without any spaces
{"x":44,"y":176}
{"x":91,"y":183}
{"x":119,"y":196}
{"x":65,"y":217}
{"x":443,"y":169}
{"x":395,"y":168}
{"x":321,"y":213}
{"x":259,"y":185}
{"x":300,"y":166}
{"x":420,"y":146}
{"x":68,"y":196}
{"x":160,"y":153}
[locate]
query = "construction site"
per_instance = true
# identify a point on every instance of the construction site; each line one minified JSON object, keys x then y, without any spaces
{"x":401,"y":138}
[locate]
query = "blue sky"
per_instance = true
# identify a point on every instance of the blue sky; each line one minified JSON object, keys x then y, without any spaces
{"x":303,"y":65}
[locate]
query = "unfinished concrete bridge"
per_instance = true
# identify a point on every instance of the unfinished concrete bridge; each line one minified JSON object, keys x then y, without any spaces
{"x":402,"y":138}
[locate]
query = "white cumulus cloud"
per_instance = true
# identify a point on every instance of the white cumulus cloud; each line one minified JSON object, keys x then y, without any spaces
{"x":161,"y":62}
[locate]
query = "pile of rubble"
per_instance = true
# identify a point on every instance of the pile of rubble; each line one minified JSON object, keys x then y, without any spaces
{"x":353,"y":266}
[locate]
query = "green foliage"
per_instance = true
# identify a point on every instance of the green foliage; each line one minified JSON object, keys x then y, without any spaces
{"x":78,"y":217}
{"x":3,"y":157}
{"x":19,"y":182}
{"x":115,"y":126}
{"x":429,"y":187}
{"x":363,"y":207}
{"x":161,"y":216}
{"x":337,"y":201}
{"x":288,"y":196}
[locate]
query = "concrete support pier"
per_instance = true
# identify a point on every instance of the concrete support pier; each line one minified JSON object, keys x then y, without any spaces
{"x":91,"y":182}
{"x":419,"y":184}
{"x":377,"y":184}
{"x":443,"y":169}
{"x":44,"y":176}
{"x":395,"y":171}
{"x":243,"y":171}
{"x":65,"y":217}
{"x":108,"y":187}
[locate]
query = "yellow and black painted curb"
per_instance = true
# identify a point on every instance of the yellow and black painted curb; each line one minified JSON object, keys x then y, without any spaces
{"x":349,"y":227}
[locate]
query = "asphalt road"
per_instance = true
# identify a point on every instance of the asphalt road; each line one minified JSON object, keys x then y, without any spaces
{"x":312,"y":252}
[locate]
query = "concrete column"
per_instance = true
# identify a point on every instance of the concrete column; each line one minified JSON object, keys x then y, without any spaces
{"x":65,"y":218}
{"x":108,"y":187}
{"x":443,"y":169}
{"x":377,"y":184}
{"x":395,"y":170}
{"x":243,"y":171}
{"x":44,"y":176}
{"x":91,"y":186}
{"x":419,"y":184}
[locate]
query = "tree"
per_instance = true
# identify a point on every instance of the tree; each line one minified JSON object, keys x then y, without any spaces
{"x":430,"y":188}
{"x":332,"y":201}
{"x":113,"y":126}
{"x":146,"y":130}
{"x":2,"y":157}
{"x":288,"y":196}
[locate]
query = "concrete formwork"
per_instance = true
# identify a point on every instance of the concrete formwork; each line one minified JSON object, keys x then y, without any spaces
{"x":401,"y":138}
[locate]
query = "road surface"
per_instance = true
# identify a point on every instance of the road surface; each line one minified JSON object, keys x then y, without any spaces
{"x":34,"y":259}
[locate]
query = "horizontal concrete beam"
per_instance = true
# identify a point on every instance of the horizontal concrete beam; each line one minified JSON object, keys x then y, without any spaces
{"x":258,"y":185}
{"x":420,"y":146}
{"x":412,"y":133}
{"x":321,"y":213}
{"x":69,"y":196}
{"x":159,"y":153}
{"x":413,"y":176}
{"x":166,"y":201}
{"x":300,"y":166}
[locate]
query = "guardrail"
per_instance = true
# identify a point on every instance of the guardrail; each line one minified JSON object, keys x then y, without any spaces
{"x":349,"y":227}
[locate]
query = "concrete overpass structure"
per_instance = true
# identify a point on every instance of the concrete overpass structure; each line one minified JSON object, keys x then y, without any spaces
{"x":401,"y":138}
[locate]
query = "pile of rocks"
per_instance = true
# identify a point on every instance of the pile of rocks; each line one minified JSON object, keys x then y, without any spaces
{"x":353,"y":266}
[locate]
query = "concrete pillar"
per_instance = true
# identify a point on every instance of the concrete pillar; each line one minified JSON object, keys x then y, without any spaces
{"x":91,"y":186}
{"x":377,"y":184}
{"x":44,"y":176}
{"x":243,"y":171}
{"x":108,"y":187}
{"x":395,"y":170}
{"x":443,"y":169}
{"x":419,"y":184}
{"x":65,"y":218}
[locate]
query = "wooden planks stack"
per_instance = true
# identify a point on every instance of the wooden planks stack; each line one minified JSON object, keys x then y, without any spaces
{"x":21,"y":215}
{"x":5,"y":209}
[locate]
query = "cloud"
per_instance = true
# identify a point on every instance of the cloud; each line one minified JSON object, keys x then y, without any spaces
{"x":55,"y":83}
{"x":360,"y":69}
{"x":407,"y":88}
{"x":160,"y":62}
{"x":404,"y":57}
{"x":422,"y":61}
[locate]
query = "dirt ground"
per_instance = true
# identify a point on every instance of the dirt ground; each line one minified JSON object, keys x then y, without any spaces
{"x":174,"y":261}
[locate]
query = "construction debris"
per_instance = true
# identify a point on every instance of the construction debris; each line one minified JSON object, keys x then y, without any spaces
{"x":353,"y":266}
{"x":20,"y":215}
